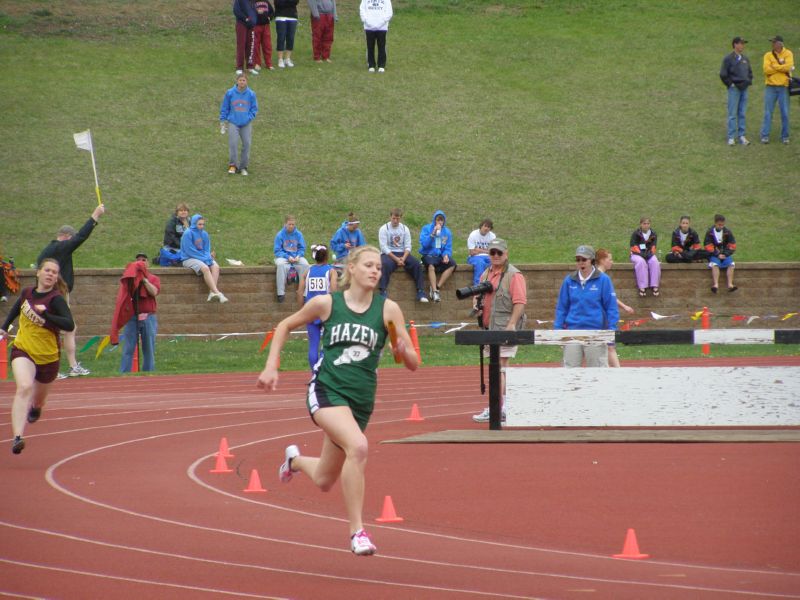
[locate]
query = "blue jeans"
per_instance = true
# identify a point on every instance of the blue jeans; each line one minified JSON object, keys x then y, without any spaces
{"x":285,"y":31}
{"x":134,"y":329}
{"x":737,"y":105}
{"x":779,"y":94}
{"x":479,"y":262}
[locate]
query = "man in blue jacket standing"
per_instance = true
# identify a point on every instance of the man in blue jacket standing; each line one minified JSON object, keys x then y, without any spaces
{"x":587,"y":300}
{"x":436,"y":250}
{"x":236,"y":113}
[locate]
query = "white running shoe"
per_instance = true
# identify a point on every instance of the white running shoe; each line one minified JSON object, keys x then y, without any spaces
{"x":239,"y":72}
{"x":731,"y":142}
{"x":285,"y":472}
{"x":222,"y":298}
{"x":381,"y":70}
{"x":371,"y":69}
{"x":212,"y":296}
{"x":361,"y":545}
{"x":78,"y":371}
{"x":281,"y":64}
{"x":744,"y":141}
{"x":483,"y":417}
{"x":289,"y":62}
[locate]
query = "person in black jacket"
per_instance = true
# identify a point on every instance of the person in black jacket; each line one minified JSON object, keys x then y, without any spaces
{"x":737,"y":75}
{"x":66,"y":242}
{"x":176,"y":225}
{"x":686,"y":246}
{"x":720,"y":245}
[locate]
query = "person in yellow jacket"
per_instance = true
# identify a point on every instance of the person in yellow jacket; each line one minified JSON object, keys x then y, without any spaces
{"x":778,"y":67}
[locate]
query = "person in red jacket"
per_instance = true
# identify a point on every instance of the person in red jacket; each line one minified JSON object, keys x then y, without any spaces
{"x":135,"y":312}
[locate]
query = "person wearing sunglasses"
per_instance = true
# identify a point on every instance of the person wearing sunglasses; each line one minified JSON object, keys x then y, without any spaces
{"x":503,"y":308}
{"x":587,"y":300}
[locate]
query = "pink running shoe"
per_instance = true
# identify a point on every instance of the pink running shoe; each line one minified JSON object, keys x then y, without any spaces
{"x":285,"y":470}
{"x":361,"y":545}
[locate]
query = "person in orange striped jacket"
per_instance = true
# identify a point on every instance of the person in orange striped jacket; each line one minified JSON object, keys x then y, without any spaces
{"x":720,"y":244}
{"x":686,"y":246}
{"x":645,"y":261}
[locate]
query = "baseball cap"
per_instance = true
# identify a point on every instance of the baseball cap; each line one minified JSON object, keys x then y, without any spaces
{"x":739,"y":40}
{"x":498,"y":244}
{"x":777,"y":38}
{"x":585,"y":251}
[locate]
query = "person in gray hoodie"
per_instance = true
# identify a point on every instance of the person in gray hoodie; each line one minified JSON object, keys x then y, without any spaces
{"x":375,"y":15}
{"x":323,"y":17}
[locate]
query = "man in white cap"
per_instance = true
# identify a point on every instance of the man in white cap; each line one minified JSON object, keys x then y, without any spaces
{"x":503,"y":308}
{"x":587,"y":300}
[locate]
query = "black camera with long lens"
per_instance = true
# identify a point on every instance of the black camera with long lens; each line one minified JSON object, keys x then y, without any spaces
{"x":484,"y":287}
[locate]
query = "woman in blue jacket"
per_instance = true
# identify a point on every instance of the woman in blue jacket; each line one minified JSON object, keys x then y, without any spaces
{"x":236,"y":113}
{"x":587,"y":300}
{"x":197,"y":256}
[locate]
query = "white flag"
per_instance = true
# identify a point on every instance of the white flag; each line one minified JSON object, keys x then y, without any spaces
{"x":83,"y":140}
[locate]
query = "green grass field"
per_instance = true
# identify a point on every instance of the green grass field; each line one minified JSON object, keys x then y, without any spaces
{"x":564,"y":121}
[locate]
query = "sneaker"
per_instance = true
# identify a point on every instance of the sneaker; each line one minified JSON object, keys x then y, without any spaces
{"x":231,"y":169}
{"x":285,"y":471}
{"x":243,"y":171}
{"x":328,"y":60}
{"x":18,"y":446}
{"x":361,"y":545}
{"x":222,"y":298}
{"x":381,"y":70}
{"x":289,"y":62}
{"x":436,"y":297}
{"x":239,"y":71}
{"x":281,"y":64}
{"x":271,"y":68}
{"x":78,"y":371}
{"x":212,"y":296}
{"x":483,"y":417}
{"x":785,"y":141}
{"x":61,"y":376}
{"x":731,"y":142}
{"x":421,"y":297}
{"x":371,"y":69}
{"x":255,"y":72}
{"x":3,"y":298}
{"x":765,"y":140}
{"x":33,"y":414}
{"x":281,"y":298}
{"x":744,"y":141}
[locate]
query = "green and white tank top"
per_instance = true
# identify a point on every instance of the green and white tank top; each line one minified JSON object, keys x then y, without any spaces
{"x":351,"y":345}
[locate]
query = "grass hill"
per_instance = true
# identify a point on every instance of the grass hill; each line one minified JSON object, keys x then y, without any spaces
{"x":564,"y":121}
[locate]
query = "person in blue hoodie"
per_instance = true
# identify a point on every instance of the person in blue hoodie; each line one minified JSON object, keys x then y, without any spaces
{"x":436,"y":250}
{"x":347,"y":237}
{"x":246,"y":21}
{"x":236,"y":113}
{"x":587,"y":300}
{"x":289,"y":249}
{"x":197,"y":256}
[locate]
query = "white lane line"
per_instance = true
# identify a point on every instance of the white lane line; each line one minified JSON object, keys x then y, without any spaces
{"x":137,"y":580}
{"x":221,"y":562}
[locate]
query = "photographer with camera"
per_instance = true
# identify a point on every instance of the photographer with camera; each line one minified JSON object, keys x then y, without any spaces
{"x":502,"y":297}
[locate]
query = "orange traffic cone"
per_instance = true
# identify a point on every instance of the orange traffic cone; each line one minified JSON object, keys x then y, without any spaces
{"x":415,"y":416}
{"x":412,"y":332}
{"x":223,"y":449}
{"x":221,"y":466}
{"x":3,"y":359}
{"x":255,"y":483}
{"x":631,"y":547}
{"x":135,"y":364}
{"x":389,"y":515}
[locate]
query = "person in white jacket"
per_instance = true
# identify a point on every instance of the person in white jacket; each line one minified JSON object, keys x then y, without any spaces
{"x":376,"y":14}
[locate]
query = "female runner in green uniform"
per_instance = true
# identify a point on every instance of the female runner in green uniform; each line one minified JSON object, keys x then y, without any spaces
{"x":341,"y":394}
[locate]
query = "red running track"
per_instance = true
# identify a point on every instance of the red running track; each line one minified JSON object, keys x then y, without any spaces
{"x":113,"y":498}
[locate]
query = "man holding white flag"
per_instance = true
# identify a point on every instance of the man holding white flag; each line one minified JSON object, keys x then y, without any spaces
{"x":61,"y":249}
